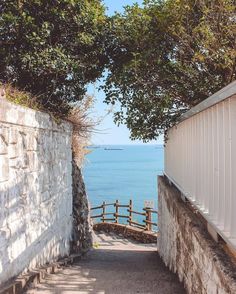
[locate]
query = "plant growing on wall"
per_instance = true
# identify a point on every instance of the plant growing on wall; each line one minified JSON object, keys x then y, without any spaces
{"x":52,"y":49}
{"x":166,"y":57}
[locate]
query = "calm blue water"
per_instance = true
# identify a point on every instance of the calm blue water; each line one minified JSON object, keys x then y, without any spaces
{"x":125,"y":174}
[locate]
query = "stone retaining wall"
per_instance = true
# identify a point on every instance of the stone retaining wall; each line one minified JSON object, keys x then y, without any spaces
{"x":35,"y":189}
{"x":188,"y":250}
{"x":82,"y":225}
{"x":137,"y":234}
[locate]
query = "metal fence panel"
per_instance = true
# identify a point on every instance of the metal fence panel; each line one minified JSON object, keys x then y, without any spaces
{"x":200,"y":159}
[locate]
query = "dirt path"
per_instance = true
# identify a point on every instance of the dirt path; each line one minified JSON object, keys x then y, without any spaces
{"x":116,"y":266}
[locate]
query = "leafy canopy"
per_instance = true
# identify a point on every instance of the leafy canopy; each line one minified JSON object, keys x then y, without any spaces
{"x":160,"y":59}
{"x":166,"y":57}
{"x":52,"y":49}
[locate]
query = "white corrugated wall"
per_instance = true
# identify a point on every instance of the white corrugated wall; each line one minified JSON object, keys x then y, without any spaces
{"x":200,"y":159}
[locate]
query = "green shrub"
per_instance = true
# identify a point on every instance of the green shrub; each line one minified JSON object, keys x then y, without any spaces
{"x":52,"y":49}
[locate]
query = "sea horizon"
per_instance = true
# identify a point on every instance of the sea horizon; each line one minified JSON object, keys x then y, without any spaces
{"x":130,"y":173}
{"x":129,"y":144}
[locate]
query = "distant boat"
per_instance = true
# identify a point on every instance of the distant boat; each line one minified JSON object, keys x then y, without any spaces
{"x":92,"y":147}
{"x":113,"y":149}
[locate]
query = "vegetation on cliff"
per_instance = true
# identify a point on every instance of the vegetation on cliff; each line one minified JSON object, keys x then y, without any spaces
{"x":159,"y":59}
{"x":52,"y":49}
{"x":166,"y":57}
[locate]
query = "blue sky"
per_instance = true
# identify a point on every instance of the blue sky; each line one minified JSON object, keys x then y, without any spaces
{"x":107,"y":132}
{"x":117,"y":5}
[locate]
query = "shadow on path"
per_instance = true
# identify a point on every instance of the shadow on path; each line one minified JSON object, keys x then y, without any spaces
{"x":116,"y":266}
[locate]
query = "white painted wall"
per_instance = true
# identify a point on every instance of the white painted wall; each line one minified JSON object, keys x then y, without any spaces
{"x":35,"y":189}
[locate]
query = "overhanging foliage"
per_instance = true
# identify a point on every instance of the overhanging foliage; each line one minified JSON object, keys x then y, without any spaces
{"x":166,"y":57}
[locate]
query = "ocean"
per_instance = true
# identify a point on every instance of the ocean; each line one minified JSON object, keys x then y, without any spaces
{"x":128,"y":173}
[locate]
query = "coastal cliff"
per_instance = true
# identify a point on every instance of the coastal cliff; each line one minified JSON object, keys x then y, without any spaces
{"x":82,"y":228}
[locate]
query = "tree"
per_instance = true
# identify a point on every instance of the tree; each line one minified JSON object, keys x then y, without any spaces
{"x":166,"y":57}
{"x":52,"y":49}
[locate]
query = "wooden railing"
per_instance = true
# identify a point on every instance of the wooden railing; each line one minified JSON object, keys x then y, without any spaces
{"x":147,"y":222}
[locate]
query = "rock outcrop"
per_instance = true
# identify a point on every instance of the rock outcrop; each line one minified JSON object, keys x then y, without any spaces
{"x":82,"y":228}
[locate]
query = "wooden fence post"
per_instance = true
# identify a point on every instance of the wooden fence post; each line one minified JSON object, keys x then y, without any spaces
{"x":130,"y":212}
{"x":103,"y":211}
{"x":117,"y":211}
{"x":148,"y":226}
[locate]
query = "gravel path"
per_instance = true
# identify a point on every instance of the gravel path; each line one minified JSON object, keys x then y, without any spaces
{"x":114,"y":266}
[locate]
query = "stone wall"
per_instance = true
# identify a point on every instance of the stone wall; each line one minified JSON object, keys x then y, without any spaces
{"x":35,"y":189}
{"x":129,"y":232}
{"x":82,"y":226}
{"x":187,"y":249}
